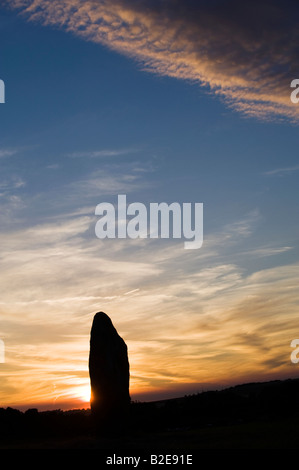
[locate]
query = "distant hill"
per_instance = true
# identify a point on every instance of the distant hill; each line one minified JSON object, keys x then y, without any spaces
{"x":261,"y":411}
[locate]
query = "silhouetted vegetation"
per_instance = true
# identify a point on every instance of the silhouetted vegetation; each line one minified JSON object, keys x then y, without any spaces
{"x":264,"y":412}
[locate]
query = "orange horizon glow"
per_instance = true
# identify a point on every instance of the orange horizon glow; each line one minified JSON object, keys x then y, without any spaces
{"x":79,"y":398}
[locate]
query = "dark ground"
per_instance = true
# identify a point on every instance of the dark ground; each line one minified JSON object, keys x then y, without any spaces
{"x":250,"y":416}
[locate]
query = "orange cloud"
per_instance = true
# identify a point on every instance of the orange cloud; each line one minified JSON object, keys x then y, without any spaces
{"x":245,"y":53}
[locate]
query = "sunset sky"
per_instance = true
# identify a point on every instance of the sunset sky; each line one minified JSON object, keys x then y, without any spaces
{"x":163,"y":101}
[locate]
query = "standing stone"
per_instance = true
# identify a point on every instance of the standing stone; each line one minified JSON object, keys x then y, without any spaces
{"x":109,"y":375}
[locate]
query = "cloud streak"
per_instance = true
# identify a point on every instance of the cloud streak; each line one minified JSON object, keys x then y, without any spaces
{"x":245,"y":53}
{"x":282,"y":171}
{"x":7,"y":152}
{"x":101,"y":153}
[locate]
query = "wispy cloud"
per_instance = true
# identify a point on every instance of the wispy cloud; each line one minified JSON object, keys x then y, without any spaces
{"x":282,"y":171}
{"x":15,"y":182}
{"x":11,"y":199}
{"x":110,"y":181}
{"x":102,"y":153}
{"x":245,"y":53}
{"x":80,"y":194}
{"x":54,"y":166}
{"x":267,"y":251}
{"x":7,"y":152}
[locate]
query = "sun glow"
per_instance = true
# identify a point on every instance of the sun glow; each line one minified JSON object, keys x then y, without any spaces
{"x":83,"y":393}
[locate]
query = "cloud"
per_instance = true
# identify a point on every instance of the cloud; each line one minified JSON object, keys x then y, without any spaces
{"x":263,"y":252}
{"x":101,"y":153}
{"x":11,"y":199}
{"x":8,"y":152}
{"x":80,"y":194}
{"x":106,"y":182}
{"x":15,"y":182}
{"x":282,"y":171}
{"x":54,"y":166}
{"x":245,"y":53}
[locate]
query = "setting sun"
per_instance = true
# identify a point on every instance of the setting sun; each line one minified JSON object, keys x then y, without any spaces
{"x":83,"y":393}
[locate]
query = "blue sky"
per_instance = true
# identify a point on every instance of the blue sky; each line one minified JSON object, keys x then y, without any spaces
{"x":85,"y":120}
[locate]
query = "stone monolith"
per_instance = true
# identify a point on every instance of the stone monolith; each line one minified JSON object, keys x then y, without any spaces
{"x":109,"y":375}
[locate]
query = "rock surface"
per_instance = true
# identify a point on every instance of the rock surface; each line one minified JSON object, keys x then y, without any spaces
{"x":109,"y":374}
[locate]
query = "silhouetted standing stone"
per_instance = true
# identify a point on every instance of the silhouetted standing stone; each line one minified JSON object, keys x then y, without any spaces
{"x":109,"y":374}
